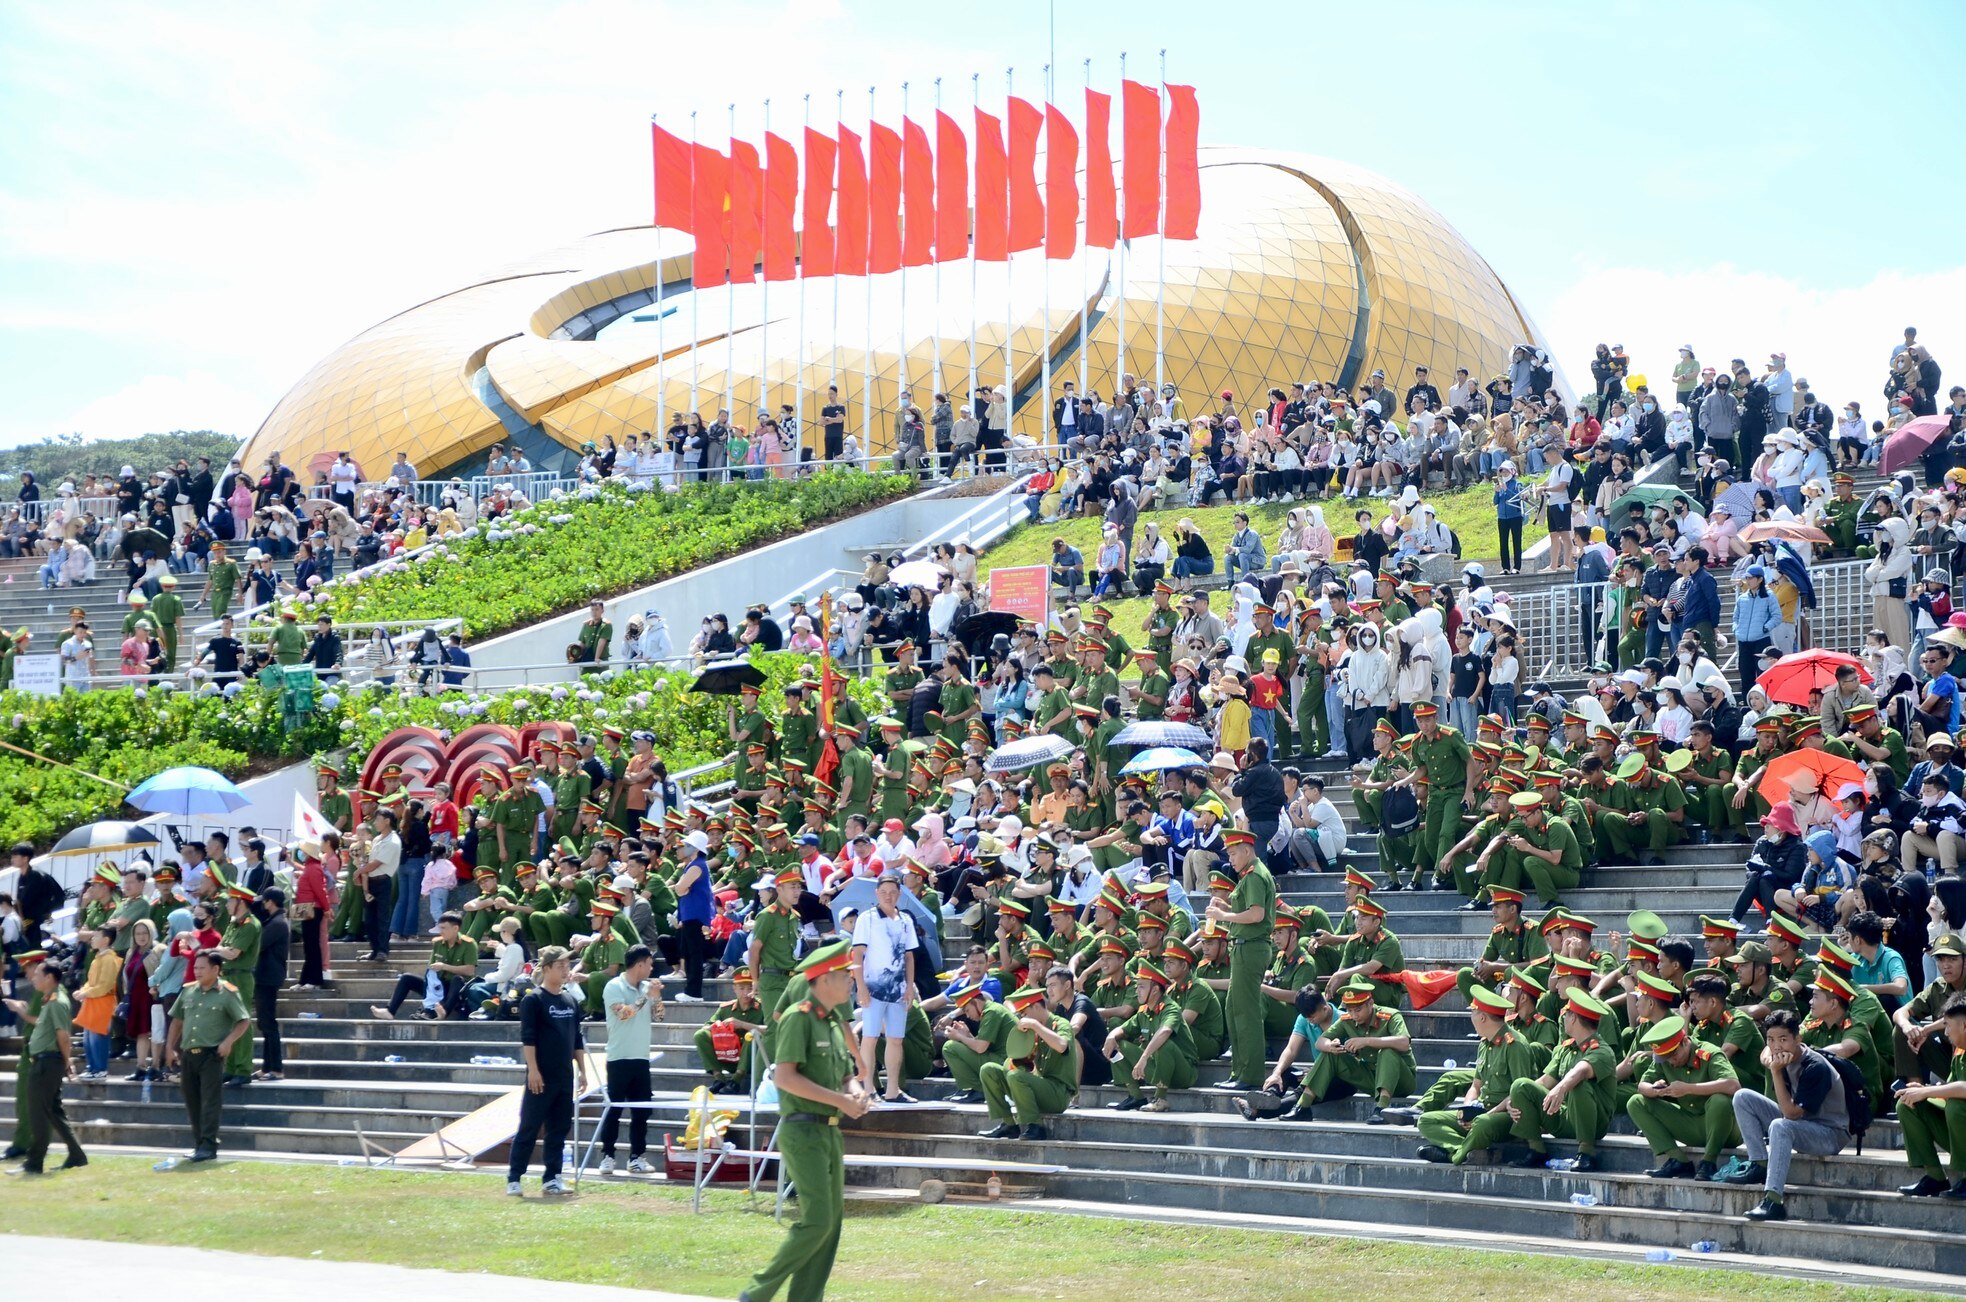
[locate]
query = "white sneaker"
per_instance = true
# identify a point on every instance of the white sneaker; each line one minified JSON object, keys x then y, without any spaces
{"x":606,"y":1166}
{"x":640,"y":1166}
{"x":514,"y":1188}
{"x":554,"y":1186}
{"x":684,"y":998}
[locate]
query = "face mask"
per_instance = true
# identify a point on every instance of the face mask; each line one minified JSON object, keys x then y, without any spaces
{"x":1650,"y":407}
{"x":1663,"y":699}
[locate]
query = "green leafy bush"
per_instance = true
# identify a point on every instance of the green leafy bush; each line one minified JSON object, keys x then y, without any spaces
{"x":557,"y":556}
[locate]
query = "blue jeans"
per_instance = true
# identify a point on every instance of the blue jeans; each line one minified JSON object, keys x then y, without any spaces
{"x":1501,"y":699}
{"x":1186,"y":567}
{"x":440,"y":899}
{"x":1489,"y":459}
{"x":1463,"y":713}
{"x":95,"y":1048}
{"x":1033,"y":503}
{"x":1792,"y":495}
{"x":406,"y":921}
{"x":1535,"y":461}
{"x":1263,"y":723}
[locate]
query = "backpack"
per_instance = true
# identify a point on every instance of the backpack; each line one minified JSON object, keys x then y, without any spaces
{"x":1399,"y":813}
{"x":1856,"y":1098}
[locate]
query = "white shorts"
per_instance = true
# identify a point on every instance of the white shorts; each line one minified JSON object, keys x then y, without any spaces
{"x":880,"y":1018}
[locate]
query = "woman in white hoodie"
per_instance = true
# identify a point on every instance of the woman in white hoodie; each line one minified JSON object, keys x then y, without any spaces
{"x":1366,"y":688}
{"x":1887,"y":578}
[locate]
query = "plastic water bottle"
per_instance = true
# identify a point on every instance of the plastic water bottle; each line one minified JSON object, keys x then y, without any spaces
{"x":499,"y":1060}
{"x":168,"y":1164}
{"x":1561,"y":1164}
{"x":1584,"y":1199}
{"x":1450,"y":1064}
{"x":394,"y":1057}
{"x":993,"y":1187}
{"x":566,"y":1154}
{"x":146,"y":1089}
{"x":310,"y":1017}
{"x":1662,"y":1255}
{"x":1706,"y":1245}
{"x":480,"y":1060}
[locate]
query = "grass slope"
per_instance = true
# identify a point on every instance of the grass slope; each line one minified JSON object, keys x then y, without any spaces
{"x":645,"y":1236}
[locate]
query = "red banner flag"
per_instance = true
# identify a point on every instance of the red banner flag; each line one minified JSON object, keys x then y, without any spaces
{"x":672,"y":180}
{"x":1026,"y":208}
{"x":709,"y":187}
{"x":1183,"y":215}
{"x":1140,"y":130}
{"x":815,"y":228}
{"x":992,"y":191}
{"x":951,"y":189}
{"x":918,"y":197}
{"x":1061,"y":184}
{"x":746,"y":208}
{"x":1101,"y":208}
{"x":883,"y":200}
{"x":781,"y":197}
{"x":850,"y":227}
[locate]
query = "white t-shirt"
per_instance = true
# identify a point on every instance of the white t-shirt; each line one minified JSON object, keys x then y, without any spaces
{"x":387,"y":853}
{"x":887,"y":940}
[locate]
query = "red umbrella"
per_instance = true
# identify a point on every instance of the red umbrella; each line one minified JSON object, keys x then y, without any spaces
{"x":1908,"y":442}
{"x":1786,"y":530}
{"x":1785,"y":772}
{"x":1793,"y":677}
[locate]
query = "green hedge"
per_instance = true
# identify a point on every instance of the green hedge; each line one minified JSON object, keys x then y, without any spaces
{"x":557,"y":556}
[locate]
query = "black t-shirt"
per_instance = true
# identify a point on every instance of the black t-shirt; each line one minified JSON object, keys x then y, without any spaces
{"x":1467,"y":672}
{"x":834,"y":414}
{"x":1092,"y":1036}
{"x":551,"y":1025}
{"x":225,"y":653}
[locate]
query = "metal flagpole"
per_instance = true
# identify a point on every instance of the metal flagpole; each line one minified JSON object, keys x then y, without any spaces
{"x":1085,"y":252}
{"x":695,"y":298}
{"x":970,"y":396}
{"x":867,"y":363}
{"x":839,"y":119}
{"x":799,"y":365}
{"x":1009,"y":284}
{"x":1160,"y":275}
{"x":730,"y":297}
{"x":938,"y":249}
{"x":1119,"y":245}
{"x":764,"y":285}
{"x":661,"y":421}
{"x":901,"y":375}
{"x":1044,"y":268}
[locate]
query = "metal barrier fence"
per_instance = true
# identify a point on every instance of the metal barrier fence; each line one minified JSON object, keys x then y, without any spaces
{"x":371,"y":652}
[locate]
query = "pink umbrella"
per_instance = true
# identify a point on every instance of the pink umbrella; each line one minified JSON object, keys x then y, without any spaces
{"x":1908,"y":442}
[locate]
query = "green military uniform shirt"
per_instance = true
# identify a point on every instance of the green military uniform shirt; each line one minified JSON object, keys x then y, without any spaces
{"x":1517,"y":945}
{"x":1024,"y":1049}
{"x":224,"y":579}
{"x":1211,"y":1023}
{"x":776,"y":931}
{"x":52,"y":1018}
{"x":1443,"y":762}
{"x":1504,"y":1060}
{"x":1358,"y":950}
{"x":208,"y":1015}
{"x":244,"y":937}
{"x":1256,"y":889}
{"x":338,"y":810}
{"x":956,"y":697}
{"x":1275,"y":640}
{"x":798,"y":737}
{"x":592,"y":635}
{"x":807,"y":1038}
{"x":1702,"y":1066}
{"x":1049,"y":705}
{"x":1603,"y":1059}
{"x":1157,"y":686}
{"x":1146,"y":1023}
{"x":857,"y":768}
{"x":1745,"y":1036}
{"x":462,"y":952}
{"x":127,"y":913}
{"x":901,"y":684}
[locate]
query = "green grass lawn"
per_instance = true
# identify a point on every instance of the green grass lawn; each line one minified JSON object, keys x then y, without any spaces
{"x":612,"y":1234}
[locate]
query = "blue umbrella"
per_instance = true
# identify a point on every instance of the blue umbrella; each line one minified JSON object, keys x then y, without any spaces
{"x":1162,"y":732}
{"x":188,"y":790}
{"x":1161,"y":758}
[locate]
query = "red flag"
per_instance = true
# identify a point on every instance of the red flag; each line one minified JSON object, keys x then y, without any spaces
{"x":850,"y":228}
{"x":1183,"y":164}
{"x":883,"y":199}
{"x":815,"y":233}
{"x":781,"y":195}
{"x":1061,"y":184}
{"x":1101,"y":219}
{"x":1140,"y":129}
{"x":992,"y":191}
{"x":951,"y":189}
{"x":672,"y":180}
{"x":746,"y":204}
{"x":1026,"y":208}
{"x":918,"y":195}
{"x":709,"y":187}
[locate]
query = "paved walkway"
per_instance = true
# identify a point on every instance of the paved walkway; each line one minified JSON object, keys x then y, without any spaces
{"x":37,"y":1267}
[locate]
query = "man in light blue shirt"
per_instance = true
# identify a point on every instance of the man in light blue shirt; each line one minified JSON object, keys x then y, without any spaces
{"x":630,"y":1000}
{"x":1880,"y":969}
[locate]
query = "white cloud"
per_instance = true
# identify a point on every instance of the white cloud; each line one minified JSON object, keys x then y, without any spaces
{"x":1839,"y":339}
{"x":156,"y":403}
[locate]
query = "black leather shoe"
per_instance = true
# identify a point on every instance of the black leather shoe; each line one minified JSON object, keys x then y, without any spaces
{"x":1770,"y":1208}
{"x":79,"y":1159}
{"x":1673,"y":1168}
{"x":1003,"y":1130}
{"x":1586,"y":1162}
{"x":1397,"y":1117}
{"x":1752,"y":1173}
{"x":1926,"y":1186}
{"x":1531,"y":1161}
{"x":1434,"y":1153}
{"x":1035,"y":1132}
{"x":1957,"y":1193}
{"x":1130,"y":1104}
{"x":1304,"y":1112}
{"x":1704,"y":1171}
{"x":203,"y":1155}
{"x":965,"y":1096}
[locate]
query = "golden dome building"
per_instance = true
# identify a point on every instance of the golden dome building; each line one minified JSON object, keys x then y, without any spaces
{"x":1305,"y":269}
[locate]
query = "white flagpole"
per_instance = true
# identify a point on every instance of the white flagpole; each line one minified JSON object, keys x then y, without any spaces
{"x":799,"y":367}
{"x":1085,"y":251}
{"x":901,"y":375}
{"x":1009,"y":283}
{"x":730,"y":300}
{"x":1160,"y":275}
{"x":1119,"y":283}
{"x":1044,"y":267}
{"x":839,"y":117}
{"x":970,"y":397}
{"x":661,"y":421}
{"x":764,"y":281}
{"x":695,"y":298}
{"x":938,"y":247}
{"x":867,"y":360}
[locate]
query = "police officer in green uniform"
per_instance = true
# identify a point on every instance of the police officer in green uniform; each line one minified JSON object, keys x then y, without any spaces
{"x":1511,"y":943}
{"x":1154,"y":1047}
{"x":1250,"y":916}
{"x":1539,"y":849}
{"x":1389,"y":766}
{"x":1201,"y":1007}
{"x":1934,"y":1117}
{"x":744,"y":1015}
{"x":978,"y":1031}
{"x":1732,"y":1035}
{"x":167,"y":612}
{"x":1290,"y":971}
{"x":813,"y":1067}
{"x":1572,"y":1098}
{"x":1150,"y":693}
{"x":1367,"y":1051}
{"x":27,"y":1009}
{"x":1440,"y":759}
{"x":1685,"y":1097}
{"x":775,"y":942}
{"x":798,"y":729}
{"x":1647,"y":809}
{"x":239,"y":947}
{"x":221,"y":580}
{"x":1921,"y":1047}
{"x":1039,"y":1073}
{"x":1372,"y":953}
{"x":1479,"y":1117}
{"x":208,"y":1022}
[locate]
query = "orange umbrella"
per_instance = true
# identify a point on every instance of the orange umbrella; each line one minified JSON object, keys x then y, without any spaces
{"x":1793,"y":677}
{"x":1785,"y":530}
{"x":1786,"y":772}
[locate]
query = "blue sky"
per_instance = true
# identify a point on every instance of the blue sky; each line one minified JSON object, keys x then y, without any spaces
{"x":197,"y":203}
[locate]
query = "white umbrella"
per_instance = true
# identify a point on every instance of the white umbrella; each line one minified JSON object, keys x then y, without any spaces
{"x":1028,"y":753}
{"x":917,"y":574}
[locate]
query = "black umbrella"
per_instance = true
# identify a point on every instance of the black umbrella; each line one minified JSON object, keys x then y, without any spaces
{"x":725,"y":677}
{"x":977,"y":631}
